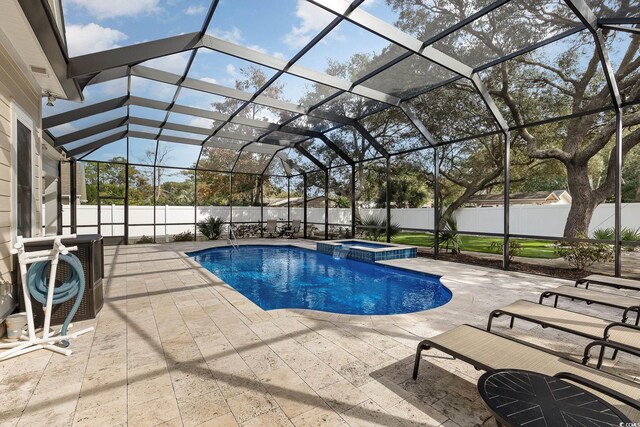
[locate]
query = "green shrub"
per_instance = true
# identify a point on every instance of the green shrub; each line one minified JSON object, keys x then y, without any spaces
{"x":515,"y":248}
{"x":627,"y":234}
{"x":584,"y":254}
{"x":604,"y":234}
{"x":144,"y":239}
{"x":375,"y":227}
{"x":449,"y":238}
{"x":211,"y":227}
{"x":185,"y":236}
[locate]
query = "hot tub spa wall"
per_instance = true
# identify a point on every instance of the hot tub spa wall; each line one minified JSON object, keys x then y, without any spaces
{"x":370,"y":256}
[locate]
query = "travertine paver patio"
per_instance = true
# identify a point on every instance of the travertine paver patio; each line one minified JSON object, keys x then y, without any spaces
{"x":173,"y":345}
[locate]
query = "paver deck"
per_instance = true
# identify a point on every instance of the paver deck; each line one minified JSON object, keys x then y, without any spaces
{"x":174,"y":345}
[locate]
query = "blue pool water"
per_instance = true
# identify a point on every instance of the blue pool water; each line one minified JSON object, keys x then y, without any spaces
{"x":348,"y":244}
{"x":289,"y":277}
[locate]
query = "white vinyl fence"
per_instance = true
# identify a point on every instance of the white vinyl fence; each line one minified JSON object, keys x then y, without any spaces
{"x":540,"y":220}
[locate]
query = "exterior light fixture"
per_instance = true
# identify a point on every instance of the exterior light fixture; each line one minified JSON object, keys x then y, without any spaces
{"x":50,"y":100}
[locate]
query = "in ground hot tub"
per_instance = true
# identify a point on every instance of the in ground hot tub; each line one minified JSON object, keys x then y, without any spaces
{"x":364,"y":250}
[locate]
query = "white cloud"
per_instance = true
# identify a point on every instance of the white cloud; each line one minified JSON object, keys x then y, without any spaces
{"x":209,"y":80}
{"x":258,"y":48}
{"x":196,"y":10}
{"x":313,"y":20}
{"x":102,"y":9}
{"x":368,"y":3}
{"x":82,"y":39}
{"x":175,"y":63}
{"x":231,"y":70}
{"x":201,"y":122}
{"x":234,"y":35}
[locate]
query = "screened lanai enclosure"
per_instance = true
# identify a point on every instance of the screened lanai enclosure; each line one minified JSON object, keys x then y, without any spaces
{"x":511,"y":120}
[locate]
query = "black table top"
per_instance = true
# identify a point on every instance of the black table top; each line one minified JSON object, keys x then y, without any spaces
{"x":519,"y":398}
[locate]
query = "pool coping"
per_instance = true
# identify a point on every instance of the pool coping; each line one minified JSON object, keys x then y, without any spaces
{"x":248,"y":309}
{"x":389,"y":246}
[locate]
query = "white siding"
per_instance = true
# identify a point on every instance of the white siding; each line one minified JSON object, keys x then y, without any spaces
{"x":13,"y":87}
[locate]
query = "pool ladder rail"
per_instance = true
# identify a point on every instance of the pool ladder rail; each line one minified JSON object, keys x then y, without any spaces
{"x":232,"y":239}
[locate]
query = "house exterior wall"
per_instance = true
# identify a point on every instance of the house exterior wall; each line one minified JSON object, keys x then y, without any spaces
{"x":14,"y":87}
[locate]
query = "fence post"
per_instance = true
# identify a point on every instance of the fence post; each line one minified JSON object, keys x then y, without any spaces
{"x":166,"y":234}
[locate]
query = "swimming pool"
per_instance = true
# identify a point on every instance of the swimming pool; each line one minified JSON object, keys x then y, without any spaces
{"x":289,"y":277}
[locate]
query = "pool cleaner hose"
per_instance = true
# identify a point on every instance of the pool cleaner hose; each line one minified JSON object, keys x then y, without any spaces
{"x":73,"y":286}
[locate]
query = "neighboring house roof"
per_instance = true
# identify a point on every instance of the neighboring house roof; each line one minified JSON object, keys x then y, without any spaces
{"x":297,"y":201}
{"x":537,"y":197}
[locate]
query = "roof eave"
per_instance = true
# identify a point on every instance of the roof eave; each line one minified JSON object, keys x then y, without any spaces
{"x":43,"y":24}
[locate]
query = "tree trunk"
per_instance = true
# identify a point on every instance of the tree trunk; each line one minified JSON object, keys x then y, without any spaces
{"x":583,"y":201}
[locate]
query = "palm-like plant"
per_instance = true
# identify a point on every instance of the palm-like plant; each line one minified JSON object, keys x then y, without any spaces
{"x":375,"y":227}
{"x":449,"y":238}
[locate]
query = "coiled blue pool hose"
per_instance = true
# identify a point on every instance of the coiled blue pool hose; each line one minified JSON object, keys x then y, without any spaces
{"x":73,"y":285}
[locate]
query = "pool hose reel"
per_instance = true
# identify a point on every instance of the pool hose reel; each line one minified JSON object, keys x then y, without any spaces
{"x":73,"y":286}
{"x":39,"y":281}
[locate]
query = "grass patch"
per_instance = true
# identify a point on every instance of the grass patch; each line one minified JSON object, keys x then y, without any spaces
{"x":530,"y":248}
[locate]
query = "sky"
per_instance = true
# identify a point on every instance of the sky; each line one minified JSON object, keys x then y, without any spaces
{"x":284,"y":27}
{"x":279,"y":28}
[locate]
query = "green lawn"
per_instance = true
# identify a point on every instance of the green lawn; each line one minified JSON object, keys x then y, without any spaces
{"x":530,"y":248}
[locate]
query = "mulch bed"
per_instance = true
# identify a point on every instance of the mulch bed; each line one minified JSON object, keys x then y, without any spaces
{"x":522,"y":267}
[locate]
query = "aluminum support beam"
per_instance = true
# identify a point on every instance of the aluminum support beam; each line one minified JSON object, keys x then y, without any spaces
{"x":589,"y":19}
{"x":97,"y":144}
{"x":304,"y":204}
{"x":262,"y":207}
{"x":90,"y":131}
{"x":417,"y":123}
{"x":506,"y":201}
{"x":73,"y":185}
{"x":353,"y":202}
{"x":374,"y":143}
{"x":436,"y":203}
{"x":213,"y":89}
{"x":83,"y":112}
{"x":630,"y":30}
{"x":389,"y":32}
{"x":326,"y":204}
{"x":309,"y":156}
{"x":149,"y":103}
{"x":260,"y":58}
{"x":387,"y":201}
{"x":94,"y":63}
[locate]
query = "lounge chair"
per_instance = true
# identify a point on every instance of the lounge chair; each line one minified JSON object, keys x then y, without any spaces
{"x":615,"y":282}
{"x":294,"y":228}
{"x":628,"y":304}
{"x":616,"y":335}
{"x":272,"y":228}
{"x":620,"y":337}
{"x":488,"y":351}
{"x":549,"y":317}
